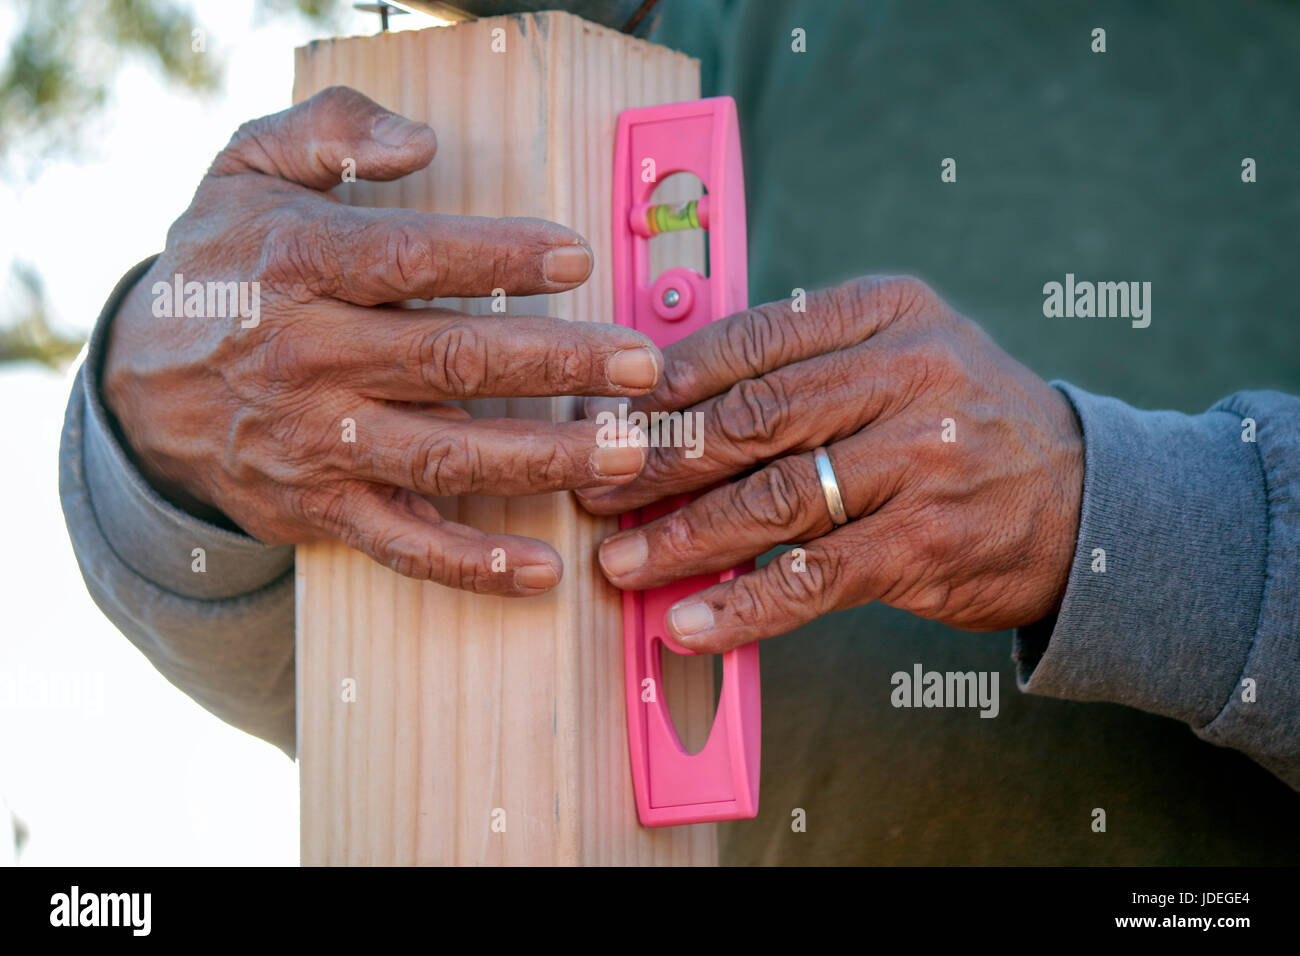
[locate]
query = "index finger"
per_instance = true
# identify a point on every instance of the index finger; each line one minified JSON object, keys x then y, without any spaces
{"x":374,"y":256}
{"x":761,"y":339}
{"x":311,"y":142}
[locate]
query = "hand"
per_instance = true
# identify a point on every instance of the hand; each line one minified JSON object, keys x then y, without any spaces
{"x":246,"y":414}
{"x":977,"y":532}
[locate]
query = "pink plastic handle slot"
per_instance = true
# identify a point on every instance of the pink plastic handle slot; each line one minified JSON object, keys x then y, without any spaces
{"x":700,"y":137}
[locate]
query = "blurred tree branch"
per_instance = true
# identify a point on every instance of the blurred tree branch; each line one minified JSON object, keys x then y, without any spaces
{"x":31,"y":338}
{"x":65,"y":54}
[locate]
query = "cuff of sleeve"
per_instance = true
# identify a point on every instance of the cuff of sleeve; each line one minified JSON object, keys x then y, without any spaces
{"x":153,"y":537}
{"x":1163,"y":598}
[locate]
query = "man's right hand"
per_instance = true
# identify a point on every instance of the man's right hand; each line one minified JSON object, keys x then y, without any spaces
{"x":249,"y":421}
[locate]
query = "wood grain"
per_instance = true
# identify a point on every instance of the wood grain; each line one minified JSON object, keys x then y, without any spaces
{"x":469,"y":705}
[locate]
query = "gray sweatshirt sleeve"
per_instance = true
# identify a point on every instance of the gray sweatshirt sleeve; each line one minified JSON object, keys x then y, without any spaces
{"x":223,"y":634}
{"x":1193,"y":610}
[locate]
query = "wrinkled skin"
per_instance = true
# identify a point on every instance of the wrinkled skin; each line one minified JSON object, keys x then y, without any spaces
{"x":249,"y":421}
{"x":978,"y":532}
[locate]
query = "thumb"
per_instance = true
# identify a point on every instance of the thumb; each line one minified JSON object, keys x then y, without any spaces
{"x":311,"y":143}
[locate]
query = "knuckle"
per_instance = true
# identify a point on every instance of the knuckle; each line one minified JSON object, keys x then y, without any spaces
{"x":307,"y":445}
{"x":295,"y":258}
{"x":859,"y":292}
{"x":413,"y":259}
{"x":323,"y":512}
{"x":811,"y":588}
{"x":754,"y":412}
{"x":748,"y":603}
{"x":550,"y":469}
{"x":286,"y":357}
{"x":757,"y":335}
{"x":856,"y":299}
{"x":394,"y":549}
{"x":334,"y":108}
{"x":446,"y":465}
{"x":395,"y":552}
{"x":908,"y":295}
{"x":770,"y":498}
{"x":566,"y":364}
{"x":928,"y":362}
{"x":930,"y":601}
{"x":886,"y":299}
{"x":337,"y":97}
{"x":294,"y":449}
{"x":454,"y":362}
{"x":461,"y":571}
{"x":912,"y":365}
{"x":246,"y":130}
{"x":677,"y":536}
{"x":249,"y":134}
{"x":904,"y":295}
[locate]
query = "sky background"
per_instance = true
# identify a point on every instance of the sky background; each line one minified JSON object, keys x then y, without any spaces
{"x":101,"y":758}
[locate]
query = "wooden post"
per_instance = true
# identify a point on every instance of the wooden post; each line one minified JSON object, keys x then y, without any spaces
{"x":487,"y":730}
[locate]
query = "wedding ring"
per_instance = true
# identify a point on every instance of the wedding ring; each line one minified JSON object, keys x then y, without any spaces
{"x":830,"y":487}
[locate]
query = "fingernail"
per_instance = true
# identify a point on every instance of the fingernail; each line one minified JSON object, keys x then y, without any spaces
{"x":586,"y":494}
{"x":599,"y":405}
{"x":617,"y":461}
{"x":536,"y":577}
{"x":567,"y":264}
{"x":394,"y":130}
{"x":619,"y":556}
{"x":633,"y":368}
{"x":687,"y":619}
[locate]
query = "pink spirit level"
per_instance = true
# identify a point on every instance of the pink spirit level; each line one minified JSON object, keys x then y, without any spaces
{"x":700,"y":137}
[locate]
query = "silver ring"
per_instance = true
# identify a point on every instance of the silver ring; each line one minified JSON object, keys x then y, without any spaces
{"x":830,"y":487}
